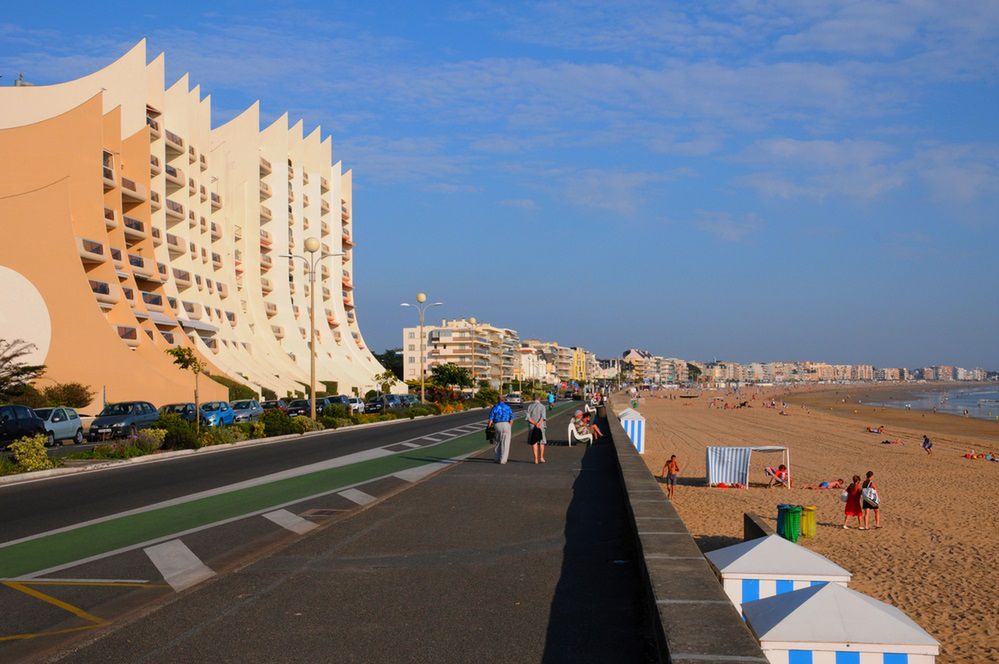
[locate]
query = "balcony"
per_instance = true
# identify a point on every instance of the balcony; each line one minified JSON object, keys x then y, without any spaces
{"x":154,"y":128}
{"x":347,"y":303}
{"x":90,"y":251}
{"x":153,"y":301}
{"x":265,"y":167}
{"x":265,"y":214}
{"x":306,"y":223}
{"x":140,"y":268}
{"x":168,"y":336}
{"x":216,"y":201}
{"x":347,"y":242}
{"x":110,"y":218}
{"x":271,"y":309}
{"x":223,"y":290}
{"x":324,"y":205}
{"x":192,"y":154}
{"x":305,"y":200}
{"x":192,"y":188}
{"x":135,"y":230}
{"x":278,"y":331}
{"x":174,"y":175}
{"x":265,"y":285}
{"x":291,"y":170}
{"x":346,"y":283}
{"x":305,"y":178}
{"x":172,"y":301}
{"x":193,"y":310}
{"x":174,"y":142}
{"x":155,"y":202}
{"x":324,"y":184}
{"x":265,"y":190}
{"x":104,"y":293}
{"x":128,"y":334}
{"x":216,"y":260}
{"x":231,"y":317}
{"x":291,"y":195}
{"x":107,"y":171}
{"x":154,"y":165}
{"x":162,"y":269}
{"x":133,"y":191}
{"x":174,"y":210}
{"x":116,"y":258}
{"x":331,"y":319}
{"x":266,"y":262}
{"x":202,"y":193}
{"x":327,"y":293}
{"x":182,"y":278}
{"x":204,"y":225}
{"x":324,"y":228}
{"x":174,"y":245}
{"x":216,"y":231}
{"x":157,"y":236}
{"x":237,"y":232}
{"x":203,"y":162}
{"x":265,"y":238}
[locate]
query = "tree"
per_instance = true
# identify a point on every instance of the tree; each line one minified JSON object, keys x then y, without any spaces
{"x":693,"y":372}
{"x":15,"y":373}
{"x":450,"y":375}
{"x":187,"y":359}
{"x":386,"y":380}
{"x":391,"y":359}
{"x":74,"y":395}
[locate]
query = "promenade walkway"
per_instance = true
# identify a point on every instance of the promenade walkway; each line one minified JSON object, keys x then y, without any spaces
{"x":482,"y":562}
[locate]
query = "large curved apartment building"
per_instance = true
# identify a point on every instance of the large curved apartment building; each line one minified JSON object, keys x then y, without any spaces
{"x":130,"y":225}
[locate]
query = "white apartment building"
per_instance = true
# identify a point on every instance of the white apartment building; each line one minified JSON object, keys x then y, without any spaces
{"x":487,"y":351}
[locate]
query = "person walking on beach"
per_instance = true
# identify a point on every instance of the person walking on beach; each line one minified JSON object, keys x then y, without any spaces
{"x":853,"y":507}
{"x":871,"y":500}
{"x":927,"y":444}
{"x":670,"y":471}
{"x":501,"y":419}
{"x":536,"y":433}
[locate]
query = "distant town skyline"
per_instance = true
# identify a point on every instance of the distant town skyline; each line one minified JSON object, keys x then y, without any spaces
{"x":740,"y":180}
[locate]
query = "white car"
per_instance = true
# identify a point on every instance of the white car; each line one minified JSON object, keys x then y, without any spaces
{"x":61,"y":423}
{"x":356,"y":404}
{"x":514,"y":399}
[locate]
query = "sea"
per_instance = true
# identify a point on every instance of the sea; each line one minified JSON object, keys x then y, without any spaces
{"x":981,"y":402}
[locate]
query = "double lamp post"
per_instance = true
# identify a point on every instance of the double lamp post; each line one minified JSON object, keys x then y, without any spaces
{"x":422,"y":307}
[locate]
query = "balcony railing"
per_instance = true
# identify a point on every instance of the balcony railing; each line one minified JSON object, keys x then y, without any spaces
{"x":157,"y":236}
{"x":91,"y":251}
{"x":192,"y":188}
{"x":168,"y":336}
{"x":129,"y":335}
{"x":216,"y":201}
{"x":216,"y":231}
{"x":265,"y":190}
{"x":154,"y":200}
{"x":174,"y":209}
{"x":193,"y":310}
{"x":305,"y":200}
{"x":107,"y":170}
{"x":237,"y":232}
{"x":265,"y":213}
{"x":324,"y":205}
{"x":223,"y":289}
{"x":154,"y":127}
{"x":154,"y":301}
{"x":110,"y":218}
{"x":116,"y":257}
{"x":324,"y":228}
{"x":347,"y":242}
{"x":265,"y":261}
{"x":203,"y":162}
{"x":134,"y":229}
{"x":162,"y":269}
{"x":265,"y":166}
{"x":154,"y":165}
{"x":271,"y":308}
{"x":203,"y":193}
{"x":103,"y":292}
{"x":174,"y":244}
{"x":182,"y":278}
{"x":291,"y":170}
{"x":265,"y":238}
{"x":174,"y":175}
{"x":265,"y":285}
{"x":133,"y":190}
{"x":172,"y":301}
{"x":192,"y":154}
{"x":305,"y":177}
{"x":139,"y":267}
{"x":324,"y":184}
{"x":231,"y":317}
{"x":278,"y":331}
{"x":216,"y":260}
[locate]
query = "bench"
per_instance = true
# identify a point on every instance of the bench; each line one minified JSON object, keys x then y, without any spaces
{"x":588,"y":438}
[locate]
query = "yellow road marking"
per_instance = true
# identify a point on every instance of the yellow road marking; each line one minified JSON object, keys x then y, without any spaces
{"x":32,"y":635}
{"x":99,"y":584}
{"x":38,"y":594}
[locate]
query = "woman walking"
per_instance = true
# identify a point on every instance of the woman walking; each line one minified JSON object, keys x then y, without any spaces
{"x":871,"y":500}
{"x":853,"y":507}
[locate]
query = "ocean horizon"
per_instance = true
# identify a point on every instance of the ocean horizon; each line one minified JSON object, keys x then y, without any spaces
{"x":980,"y":402}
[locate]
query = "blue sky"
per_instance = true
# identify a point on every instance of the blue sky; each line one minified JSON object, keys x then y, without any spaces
{"x":748,"y":180}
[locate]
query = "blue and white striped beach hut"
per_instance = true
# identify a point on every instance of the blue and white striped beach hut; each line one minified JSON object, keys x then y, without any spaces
{"x":831,"y":624}
{"x":634,"y":425}
{"x":769,"y":566}
{"x":730,"y":465}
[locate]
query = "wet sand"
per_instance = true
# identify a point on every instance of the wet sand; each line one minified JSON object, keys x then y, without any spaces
{"x":936,"y":556}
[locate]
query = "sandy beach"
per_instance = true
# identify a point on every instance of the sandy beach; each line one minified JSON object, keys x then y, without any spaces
{"x":935,"y":558}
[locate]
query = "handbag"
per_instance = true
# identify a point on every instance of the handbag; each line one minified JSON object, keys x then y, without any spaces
{"x":490,"y":433}
{"x":870,"y":495}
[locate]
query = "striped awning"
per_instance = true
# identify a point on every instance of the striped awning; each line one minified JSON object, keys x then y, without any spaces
{"x":729,"y":465}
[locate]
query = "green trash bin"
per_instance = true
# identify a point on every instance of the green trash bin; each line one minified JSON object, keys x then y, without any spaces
{"x":781,"y":518}
{"x":792,"y":524}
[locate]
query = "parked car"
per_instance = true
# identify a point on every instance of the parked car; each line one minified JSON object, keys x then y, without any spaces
{"x":409,"y":400}
{"x":119,"y":420}
{"x":356,"y":405}
{"x":217,"y":413}
{"x":247,"y":410}
{"x":17,"y":422}
{"x":302,"y":407}
{"x":275,"y":404}
{"x":515,"y":399}
{"x":388,"y":402}
{"x":61,"y":423}
{"x":184,"y":411}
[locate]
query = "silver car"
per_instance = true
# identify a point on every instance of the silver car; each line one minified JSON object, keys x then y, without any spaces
{"x":247,"y":410}
{"x":61,"y":423}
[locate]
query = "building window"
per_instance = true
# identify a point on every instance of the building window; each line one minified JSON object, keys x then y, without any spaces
{"x":412,"y":346}
{"x":412,"y":360}
{"x":412,"y":335}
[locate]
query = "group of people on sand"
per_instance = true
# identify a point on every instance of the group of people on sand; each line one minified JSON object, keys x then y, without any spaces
{"x":862,"y":498}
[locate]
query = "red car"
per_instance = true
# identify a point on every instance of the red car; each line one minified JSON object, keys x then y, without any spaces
{"x":278,"y":404}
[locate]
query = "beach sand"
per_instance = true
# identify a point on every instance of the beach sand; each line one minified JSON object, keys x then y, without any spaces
{"x":936,"y":556}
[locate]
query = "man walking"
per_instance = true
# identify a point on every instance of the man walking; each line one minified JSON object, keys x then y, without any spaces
{"x":501,"y":419}
{"x":536,"y":432}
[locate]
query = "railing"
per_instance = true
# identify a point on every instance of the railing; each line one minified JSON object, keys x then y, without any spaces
{"x":161,"y":268}
{"x":172,"y":301}
{"x":237,"y":232}
{"x":116,"y":255}
{"x":324,"y":184}
{"x":154,"y":162}
{"x":110,"y":218}
{"x":265,"y":165}
{"x":265,"y":237}
{"x":175,"y":206}
{"x":203,"y":193}
{"x":154,"y":196}
{"x":174,"y":241}
{"x":266,"y":260}
{"x":168,"y":336}
{"x":189,"y":307}
{"x":203,"y":161}
{"x":128,"y":333}
{"x":216,"y":200}
{"x":216,"y":231}
{"x":128,"y":293}
{"x":216,"y":259}
{"x":305,"y":178}
{"x":155,"y":232}
{"x":154,"y":299}
{"x":231,"y":317}
{"x":137,"y":261}
{"x":100,"y":287}
{"x":92,"y":247}
{"x":173,"y":171}
{"x":265,"y":213}
{"x":134,"y":224}
{"x":131,"y":186}
{"x":182,"y":275}
{"x":153,"y":125}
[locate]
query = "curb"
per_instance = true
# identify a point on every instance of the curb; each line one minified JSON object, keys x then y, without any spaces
{"x":38,"y":475}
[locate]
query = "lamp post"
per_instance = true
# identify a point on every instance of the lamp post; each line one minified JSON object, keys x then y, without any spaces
{"x":422,"y":307}
{"x":312,"y":245}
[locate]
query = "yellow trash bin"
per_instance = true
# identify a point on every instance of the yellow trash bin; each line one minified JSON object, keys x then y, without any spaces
{"x":808,"y":524}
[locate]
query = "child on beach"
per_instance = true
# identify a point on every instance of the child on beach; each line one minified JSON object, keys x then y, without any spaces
{"x":853,"y":507}
{"x":927,"y":445}
{"x":670,"y":471}
{"x":778,"y":476}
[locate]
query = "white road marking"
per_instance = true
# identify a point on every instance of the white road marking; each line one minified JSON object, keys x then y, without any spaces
{"x":357,"y":496}
{"x":418,"y":473}
{"x":289,"y":521}
{"x":409,"y":445}
{"x":178,"y":564}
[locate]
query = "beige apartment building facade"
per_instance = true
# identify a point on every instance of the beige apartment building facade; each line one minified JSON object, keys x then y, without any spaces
{"x":487,"y":351}
{"x":133,"y":226}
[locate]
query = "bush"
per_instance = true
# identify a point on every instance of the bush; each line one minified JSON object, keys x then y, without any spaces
{"x":237,"y":390}
{"x":150,"y":440}
{"x":370,"y":394}
{"x":122,"y":450}
{"x":336,"y":410}
{"x":386,"y":417}
{"x":268,"y":394}
{"x":180,"y":435}
{"x":487,"y":395}
{"x":29,"y":453}
{"x":417,"y":411}
{"x":222,"y":436}
{"x":7,"y":465}
{"x":276,"y":423}
{"x":300,"y":424}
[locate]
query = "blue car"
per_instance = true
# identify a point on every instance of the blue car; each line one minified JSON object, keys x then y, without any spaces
{"x":217,"y":413}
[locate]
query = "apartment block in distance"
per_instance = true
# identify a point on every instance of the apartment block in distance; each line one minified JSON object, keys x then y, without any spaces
{"x":487,"y":351}
{"x":131,"y":226}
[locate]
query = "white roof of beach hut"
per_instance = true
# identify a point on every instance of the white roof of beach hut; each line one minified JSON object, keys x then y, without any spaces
{"x":774,"y":556}
{"x":832,"y":617}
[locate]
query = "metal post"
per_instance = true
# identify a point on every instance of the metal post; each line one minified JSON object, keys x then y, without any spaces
{"x":312,"y":337}
{"x":423,"y":360}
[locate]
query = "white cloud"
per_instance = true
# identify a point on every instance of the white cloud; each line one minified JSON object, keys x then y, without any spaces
{"x":727,"y":226}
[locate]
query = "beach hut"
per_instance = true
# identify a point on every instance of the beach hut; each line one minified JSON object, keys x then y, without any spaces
{"x":634,"y":425}
{"x":769,"y":566}
{"x":831,"y":624}
{"x":730,"y":465}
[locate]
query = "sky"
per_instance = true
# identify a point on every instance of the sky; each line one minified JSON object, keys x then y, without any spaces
{"x":747,"y":180}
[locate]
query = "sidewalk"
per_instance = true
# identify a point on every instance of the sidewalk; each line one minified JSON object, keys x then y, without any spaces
{"x":489,"y":563}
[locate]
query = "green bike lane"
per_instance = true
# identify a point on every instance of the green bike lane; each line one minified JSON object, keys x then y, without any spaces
{"x":57,"y":550}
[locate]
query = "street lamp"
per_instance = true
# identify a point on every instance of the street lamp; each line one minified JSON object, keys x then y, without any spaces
{"x":422,"y":307}
{"x":312,"y":245}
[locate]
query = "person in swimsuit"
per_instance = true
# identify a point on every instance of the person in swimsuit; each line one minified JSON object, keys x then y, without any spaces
{"x":670,"y":472}
{"x":853,"y":507}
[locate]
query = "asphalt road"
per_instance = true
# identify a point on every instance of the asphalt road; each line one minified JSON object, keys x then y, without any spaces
{"x":35,"y":507}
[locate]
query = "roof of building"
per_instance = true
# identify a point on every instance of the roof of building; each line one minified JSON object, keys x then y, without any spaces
{"x":773,"y":555}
